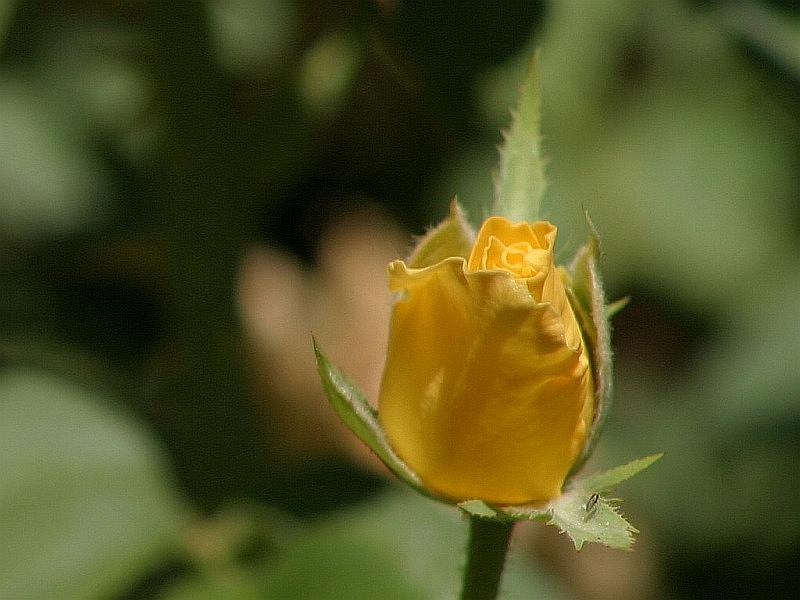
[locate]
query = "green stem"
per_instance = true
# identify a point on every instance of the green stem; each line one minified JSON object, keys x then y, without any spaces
{"x":488,"y":545}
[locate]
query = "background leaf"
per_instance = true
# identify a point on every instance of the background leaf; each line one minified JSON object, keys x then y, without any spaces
{"x":85,"y":508}
{"x":400,"y":545}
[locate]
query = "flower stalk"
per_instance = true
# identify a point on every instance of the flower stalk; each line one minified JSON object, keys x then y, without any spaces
{"x":486,"y":557}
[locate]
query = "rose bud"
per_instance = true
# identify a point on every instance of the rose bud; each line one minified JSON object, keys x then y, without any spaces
{"x":487,"y":390}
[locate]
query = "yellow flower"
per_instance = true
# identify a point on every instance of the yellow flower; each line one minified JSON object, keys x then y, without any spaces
{"x":487,"y":391}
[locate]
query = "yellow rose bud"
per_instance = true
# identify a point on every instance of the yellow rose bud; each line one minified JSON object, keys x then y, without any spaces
{"x":487,"y":391}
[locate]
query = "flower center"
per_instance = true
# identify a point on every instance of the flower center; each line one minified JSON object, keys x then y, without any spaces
{"x":520,"y":259}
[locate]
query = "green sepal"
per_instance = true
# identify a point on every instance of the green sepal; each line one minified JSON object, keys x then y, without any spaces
{"x":601,"y":523}
{"x":615,"y":307}
{"x":587,"y":297}
{"x":520,"y":180}
{"x":602,"y":482}
{"x":479,"y":508}
{"x":351,"y":404}
{"x":452,"y":237}
{"x":580,"y":512}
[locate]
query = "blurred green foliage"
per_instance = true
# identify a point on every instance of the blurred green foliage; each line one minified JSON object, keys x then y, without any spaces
{"x":85,"y":498}
{"x":145,"y":145}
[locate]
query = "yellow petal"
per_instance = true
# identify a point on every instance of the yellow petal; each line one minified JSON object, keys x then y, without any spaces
{"x":482,"y":395}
